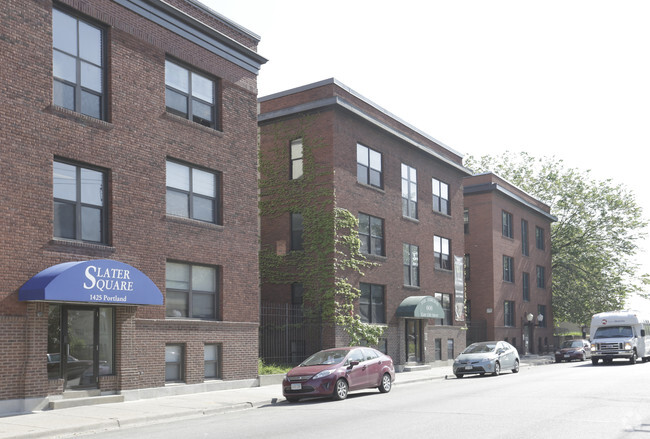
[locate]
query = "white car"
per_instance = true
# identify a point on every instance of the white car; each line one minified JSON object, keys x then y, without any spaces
{"x":487,"y":357}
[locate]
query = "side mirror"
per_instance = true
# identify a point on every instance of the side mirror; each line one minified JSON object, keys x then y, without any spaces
{"x":353,"y":363}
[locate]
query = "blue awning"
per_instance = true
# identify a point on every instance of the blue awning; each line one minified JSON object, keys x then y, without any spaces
{"x":420,"y":307}
{"x":97,"y":281}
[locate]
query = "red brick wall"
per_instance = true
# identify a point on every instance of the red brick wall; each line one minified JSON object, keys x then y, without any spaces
{"x":133,"y":145}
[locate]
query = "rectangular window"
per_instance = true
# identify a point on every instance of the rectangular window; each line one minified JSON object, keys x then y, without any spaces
{"x":296,"y":231}
{"x":296,"y":159}
{"x":539,"y":238}
{"x":190,"y":95}
{"x":506,"y":224}
{"x":445,"y":302}
{"x":508,"y":269}
{"x":541,"y":277}
{"x":409,"y":192}
{"x":79,"y":203}
{"x":174,"y":363}
{"x":525,"y":286}
{"x":411,"y":265}
{"x":371,"y":234}
{"x":441,"y":253}
{"x":509,"y":313}
{"x":371,"y":303}
{"x":78,"y":65}
{"x":212,"y":361}
{"x":297,"y":293}
{"x":369,"y":167}
{"x":450,"y":349}
{"x":192,"y":193}
{"x":191,"y":291}
{"x":466,"y":221}
{"x":440,"y":197}
{"x":438,"y":349}
{"x":524,"y":237}
{"x":468,"y":266}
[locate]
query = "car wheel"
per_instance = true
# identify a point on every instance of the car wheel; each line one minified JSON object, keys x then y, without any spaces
{"x":459,"y":375}
{"x":633,"y":358}
{"x":497,"y":369}
{"x":516,"y":368}
{"x":594,"y":361}
{"x":386,"y":384}
{"x":340,"y":390}
{"x":558,"y":360}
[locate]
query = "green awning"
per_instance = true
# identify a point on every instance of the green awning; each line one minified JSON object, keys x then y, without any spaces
{"x":420,"y":307}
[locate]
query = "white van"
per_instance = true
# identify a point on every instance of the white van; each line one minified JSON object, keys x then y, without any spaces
{"x":619,"y":334}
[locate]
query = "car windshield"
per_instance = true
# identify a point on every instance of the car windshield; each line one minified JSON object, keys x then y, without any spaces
{"x":572,"y":344}
{"x":614,"y":332}
{"x":478,"y":348}
{"x":325,"y":357}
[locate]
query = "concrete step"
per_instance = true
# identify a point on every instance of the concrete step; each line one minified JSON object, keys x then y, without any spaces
{"x":68,"y":402}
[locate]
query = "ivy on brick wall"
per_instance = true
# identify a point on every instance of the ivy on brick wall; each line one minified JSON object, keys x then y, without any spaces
{"x":331,"y":245}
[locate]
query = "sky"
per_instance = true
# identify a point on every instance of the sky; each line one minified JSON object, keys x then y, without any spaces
{"x":568,"y":79}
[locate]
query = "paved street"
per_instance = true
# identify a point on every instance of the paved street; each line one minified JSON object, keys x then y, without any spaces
{"x":556,"y":400}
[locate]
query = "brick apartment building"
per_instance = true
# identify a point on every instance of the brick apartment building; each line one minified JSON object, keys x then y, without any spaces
{"x":129,"y":209}
{"x":324,"y":146}
{"x":508,"y":259}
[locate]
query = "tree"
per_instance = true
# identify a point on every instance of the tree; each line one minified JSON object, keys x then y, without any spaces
{"x":596,"y":236}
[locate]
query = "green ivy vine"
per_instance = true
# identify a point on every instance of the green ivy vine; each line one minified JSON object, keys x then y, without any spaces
{"x":330,"y":234}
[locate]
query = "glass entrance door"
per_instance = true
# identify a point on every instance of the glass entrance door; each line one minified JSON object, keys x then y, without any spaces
{"x":79,"y":356}
{"x":413,"y":341}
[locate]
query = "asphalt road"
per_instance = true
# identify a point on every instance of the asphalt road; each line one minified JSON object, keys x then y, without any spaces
{"x":559,"y":400}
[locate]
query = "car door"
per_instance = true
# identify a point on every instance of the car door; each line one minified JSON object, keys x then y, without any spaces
{"x":507,"y":358}
{"x":357,"y":370}
{"x":373,"y":363}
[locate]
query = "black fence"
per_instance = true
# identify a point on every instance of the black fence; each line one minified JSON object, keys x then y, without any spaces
{"x":287,"y":334}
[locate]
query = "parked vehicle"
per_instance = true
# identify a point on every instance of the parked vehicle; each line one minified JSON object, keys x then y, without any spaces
{"x":486,"y":357}
{"x":335,"y":372}
{"x":619,"y":334}
{"x":573,"y":350}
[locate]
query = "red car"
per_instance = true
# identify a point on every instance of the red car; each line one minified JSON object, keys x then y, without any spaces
{"x":573,"y":350}
{"x":335,"y":372}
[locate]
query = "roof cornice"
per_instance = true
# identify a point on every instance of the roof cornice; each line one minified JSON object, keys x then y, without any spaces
{"x":495,"y":187}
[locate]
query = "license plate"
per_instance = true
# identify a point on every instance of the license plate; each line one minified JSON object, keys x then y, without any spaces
{"x":468,"y":367}
{"x":296,"y":386}
{"x":566,"y":355}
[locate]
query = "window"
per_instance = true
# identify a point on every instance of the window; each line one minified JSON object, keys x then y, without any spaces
{"x":211,"y":361}
{"x":191,"y":291}
{"x":369,"y":167}
{"x":174,"y":363}
{"x":297,"y":293}
{"x":450,"y":349}
{"x":509,"y":313}
{"x":296,"y":231}
{"x":525,"y":286}
{"x":78,"y":65}
{"x":539,"y":238}
{"x":506,"y":223}
{"x":440,"y":197}
{"x":190,"y":95}
{"x":192,"y":193}
{"x":409,"y":192}
{"x":437,"y":349}
{"x":508,"y":269}
{"x":466,"y":221}
{"x":441,"y":253}
{"x":411,"y":265}
{"x":524,"y":237}
{"x":541,"y":277}
{"x":445,"y":302}
{"x":79,"y":206}
{"x":371,"y":303}
{"x":371,"y":234}
{"x":296,"y":159}
{"x":468,"y":266}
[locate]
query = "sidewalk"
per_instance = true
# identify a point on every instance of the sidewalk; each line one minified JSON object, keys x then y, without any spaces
{"x":114,"y":416}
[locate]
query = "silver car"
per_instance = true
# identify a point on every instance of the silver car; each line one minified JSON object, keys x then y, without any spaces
{"x":487,"y":357}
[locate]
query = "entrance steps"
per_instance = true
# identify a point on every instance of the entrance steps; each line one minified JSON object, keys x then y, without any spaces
{"x":416,"y":367}
{"x":78,"y":398}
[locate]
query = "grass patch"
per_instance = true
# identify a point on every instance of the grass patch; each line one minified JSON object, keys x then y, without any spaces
{"x":271,"y":369}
